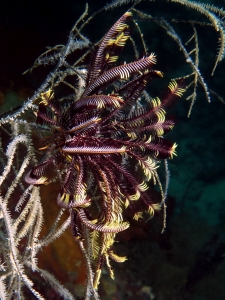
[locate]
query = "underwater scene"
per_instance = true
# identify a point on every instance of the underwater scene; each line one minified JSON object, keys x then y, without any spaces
{"x":112,"y":138}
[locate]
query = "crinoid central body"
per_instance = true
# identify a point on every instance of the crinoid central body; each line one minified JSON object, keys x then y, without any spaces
{"x":105,"y":146}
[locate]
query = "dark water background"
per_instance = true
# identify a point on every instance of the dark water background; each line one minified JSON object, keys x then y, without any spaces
{"x":187,"y":261}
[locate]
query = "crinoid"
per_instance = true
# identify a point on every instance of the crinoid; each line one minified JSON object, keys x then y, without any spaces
{"x":105,"y":147}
